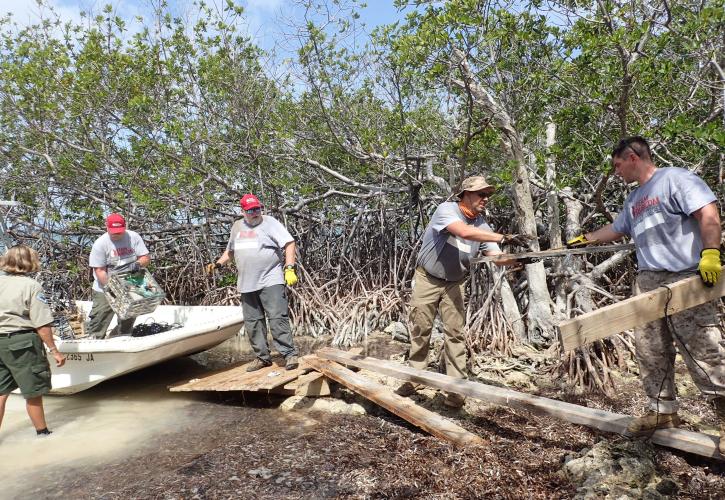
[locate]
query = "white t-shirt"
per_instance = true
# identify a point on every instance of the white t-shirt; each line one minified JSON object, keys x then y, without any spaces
{"x":657,"y":215}
{"x":115,"y":254}
{"x":258,"y":253}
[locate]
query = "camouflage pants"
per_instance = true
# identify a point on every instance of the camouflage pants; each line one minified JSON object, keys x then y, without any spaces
{"x":430,"y":293}
{"x":695,"y":332}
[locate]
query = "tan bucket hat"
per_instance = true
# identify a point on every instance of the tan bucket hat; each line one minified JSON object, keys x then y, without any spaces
{"x":474,"y":183}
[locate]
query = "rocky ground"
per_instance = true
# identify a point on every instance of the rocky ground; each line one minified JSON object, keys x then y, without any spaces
{"x":252,"y":448}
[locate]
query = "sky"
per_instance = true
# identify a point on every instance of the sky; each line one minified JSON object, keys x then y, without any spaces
{"x":265,"y":18}
{"x":270,"y":24}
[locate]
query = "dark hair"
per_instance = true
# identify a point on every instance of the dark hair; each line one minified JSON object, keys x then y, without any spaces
{"x":638,"y":145}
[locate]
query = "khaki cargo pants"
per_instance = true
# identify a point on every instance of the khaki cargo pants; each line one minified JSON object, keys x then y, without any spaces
{"x":696,"y":333}
{"x":429,"y":295}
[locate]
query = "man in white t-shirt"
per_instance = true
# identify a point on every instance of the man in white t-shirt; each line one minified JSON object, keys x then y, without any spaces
{"x":260,"y":245}
{"x":673,"y":218}
{"x":117,"y":250}
{"x":452,"y":238}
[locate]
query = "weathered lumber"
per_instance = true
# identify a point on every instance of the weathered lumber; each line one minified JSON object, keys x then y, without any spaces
{"x":636,"y":311}
{"x":692,"y":442}
{"x":557,"y":252}
{"x":403,"y":407}
{"x":237,"y":378}
{"x":313,"y":384}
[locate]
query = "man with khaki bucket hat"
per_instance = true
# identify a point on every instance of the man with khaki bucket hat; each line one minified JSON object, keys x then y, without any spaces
{"x":452,"y":238}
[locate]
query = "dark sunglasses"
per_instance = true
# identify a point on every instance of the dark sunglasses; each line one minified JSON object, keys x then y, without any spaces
{"x":253,"y":210}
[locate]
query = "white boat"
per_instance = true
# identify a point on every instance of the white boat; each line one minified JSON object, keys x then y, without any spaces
{"x":91,"y":361}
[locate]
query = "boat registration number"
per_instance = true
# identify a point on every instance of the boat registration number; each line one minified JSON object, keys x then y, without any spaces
{"x":74,"y":356}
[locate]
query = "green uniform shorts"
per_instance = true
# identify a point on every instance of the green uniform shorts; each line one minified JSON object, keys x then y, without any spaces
{"x":24,"y":365}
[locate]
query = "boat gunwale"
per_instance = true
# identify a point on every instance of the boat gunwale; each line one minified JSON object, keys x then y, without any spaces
{"x":149,"y":342}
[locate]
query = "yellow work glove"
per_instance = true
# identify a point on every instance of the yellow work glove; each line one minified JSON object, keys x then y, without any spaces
{"x":710,"y":266}
{"x":579,"y":241}
{"x":209,"y":268}
{"x":290,"y":276}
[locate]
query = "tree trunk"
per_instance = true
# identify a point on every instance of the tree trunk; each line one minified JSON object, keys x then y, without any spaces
{"x":510,"y":307}
{"x":552,"y":204}
{"x":552,"y":200}
{"x":540,"y":325}
{"x":583,"y":297}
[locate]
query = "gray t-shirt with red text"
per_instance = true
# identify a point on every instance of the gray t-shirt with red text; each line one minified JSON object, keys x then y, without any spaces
{"x":444,"y":255}
{"x":114,"y":255}
{"x":657,"y":215}
{"x":258,"y":253}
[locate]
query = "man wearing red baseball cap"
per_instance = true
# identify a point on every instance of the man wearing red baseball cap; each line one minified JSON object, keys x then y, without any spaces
{"x":117,"y":250}
{"x":250,"y":202}
{"x":260,"y":246}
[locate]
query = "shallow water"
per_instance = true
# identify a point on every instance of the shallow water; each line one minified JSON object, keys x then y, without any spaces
{"x":105,"y":423}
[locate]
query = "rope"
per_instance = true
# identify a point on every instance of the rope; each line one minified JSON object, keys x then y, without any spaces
{"x":151,"y":327}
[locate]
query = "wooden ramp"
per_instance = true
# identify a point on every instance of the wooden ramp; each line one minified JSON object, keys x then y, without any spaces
{"x":403,"y":407}
{"x":237,"y":378}
{"x":313,"y":384}
{"x":692,"y":442}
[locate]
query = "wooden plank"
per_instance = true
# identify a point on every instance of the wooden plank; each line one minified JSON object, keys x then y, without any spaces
{"x":317,"y":388}
{"x":636,"y":311}
{"x":310,"y":384}
{"x":205,"y":376}
{"x":237,"y":378}
{"x":692,"y":442}
{"x":403,"y":407}
{"x":557,"y":252}
{"x":313,"y":384}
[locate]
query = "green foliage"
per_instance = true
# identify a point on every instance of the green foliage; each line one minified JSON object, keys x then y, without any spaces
{"x":173,"y":122}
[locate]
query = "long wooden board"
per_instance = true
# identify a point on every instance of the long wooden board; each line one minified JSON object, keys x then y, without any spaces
{"x":636,"y":311}
{"x":692,"y":442}
{"x":403,"y":407}
{"x":237,"y":378}
{"x":558,"y":252}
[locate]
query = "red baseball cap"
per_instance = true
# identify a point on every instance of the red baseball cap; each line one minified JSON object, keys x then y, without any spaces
{"x":115,"y":224}
{"x":249,"y":201}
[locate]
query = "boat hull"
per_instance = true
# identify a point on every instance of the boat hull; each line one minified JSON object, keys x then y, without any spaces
{"x":92,"y":361}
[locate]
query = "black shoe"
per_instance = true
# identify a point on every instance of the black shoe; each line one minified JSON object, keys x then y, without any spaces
{"x":43,"y":432}
{"x":258,"y":364}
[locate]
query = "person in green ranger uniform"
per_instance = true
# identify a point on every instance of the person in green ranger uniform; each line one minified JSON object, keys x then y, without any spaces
{"x":25,"y":319}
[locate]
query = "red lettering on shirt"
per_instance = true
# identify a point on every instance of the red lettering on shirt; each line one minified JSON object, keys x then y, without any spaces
{"x":122,"y":252}
{"x":643,"y":205}
{"x":245,"y":235}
